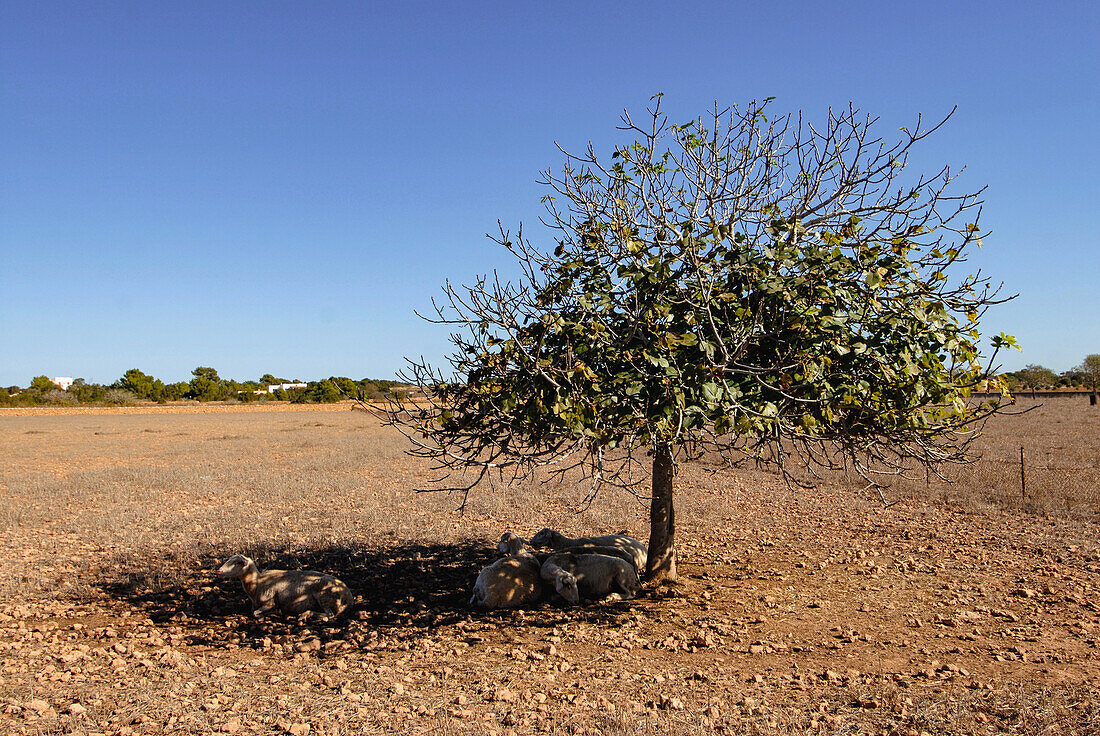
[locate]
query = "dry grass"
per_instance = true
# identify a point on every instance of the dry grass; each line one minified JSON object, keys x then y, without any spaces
{"x":963,"y":609}
{"x":1060,"y":438}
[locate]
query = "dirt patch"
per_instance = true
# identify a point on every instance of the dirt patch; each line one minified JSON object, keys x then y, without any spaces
{"x":961,"y":609}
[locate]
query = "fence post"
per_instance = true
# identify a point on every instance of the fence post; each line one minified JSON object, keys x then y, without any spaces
{"x":1023,"y":476}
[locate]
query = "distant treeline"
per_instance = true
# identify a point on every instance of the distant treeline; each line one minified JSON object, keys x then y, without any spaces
{"x":1040,"y":378}
{"x":206,"y":385}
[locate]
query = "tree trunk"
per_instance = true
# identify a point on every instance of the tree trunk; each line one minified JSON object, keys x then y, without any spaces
{"x":662,"y":522}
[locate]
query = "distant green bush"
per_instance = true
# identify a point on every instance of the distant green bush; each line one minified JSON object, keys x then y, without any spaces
{"x":19,"y":398}
{"x":205,"y":385}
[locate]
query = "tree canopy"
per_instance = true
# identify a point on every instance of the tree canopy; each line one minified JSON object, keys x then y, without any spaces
{"x":142,"y":385}
{"x":743,"y":283}
{"x":1090,"y":366}
{"x":42,"y":383}
{"x":1036,"y":376}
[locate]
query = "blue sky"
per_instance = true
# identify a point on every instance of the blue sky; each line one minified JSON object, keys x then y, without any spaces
{"x":275,"y":187}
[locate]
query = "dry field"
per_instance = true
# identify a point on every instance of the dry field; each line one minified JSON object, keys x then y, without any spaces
{"x":961,"y":609}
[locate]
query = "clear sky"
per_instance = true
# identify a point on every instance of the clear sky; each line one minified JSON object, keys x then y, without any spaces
{"x":275,"y":187}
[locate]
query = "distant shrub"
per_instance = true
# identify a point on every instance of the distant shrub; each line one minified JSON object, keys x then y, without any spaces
{"x":296,"y":395}
{"x":135,"y":386}
{"x":119,"y":397}
{"x":323,"y":392}
{"x":176,"y":391}
{"x":42,"y":384}
{"x":57,"y":397}
{"x":19,"y":398}
{"x":88,"y":393}
{"x":141,"y":385}
{"x":379,"y":390}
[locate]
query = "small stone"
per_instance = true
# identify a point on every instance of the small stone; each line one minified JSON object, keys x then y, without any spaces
{"x":232,"y":725}
{"x":298,"y":729}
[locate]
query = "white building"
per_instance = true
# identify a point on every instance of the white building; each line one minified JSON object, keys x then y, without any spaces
{"x":285,"y":386}
{"x":62,"y":382}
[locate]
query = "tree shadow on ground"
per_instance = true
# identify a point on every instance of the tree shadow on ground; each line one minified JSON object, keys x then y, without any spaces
{"x":403,"y":593}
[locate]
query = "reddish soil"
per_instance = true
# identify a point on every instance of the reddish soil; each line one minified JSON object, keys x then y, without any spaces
{"x":960,"y":609}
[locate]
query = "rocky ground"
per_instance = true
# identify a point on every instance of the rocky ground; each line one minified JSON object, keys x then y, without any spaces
{"x":798,"y":612}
